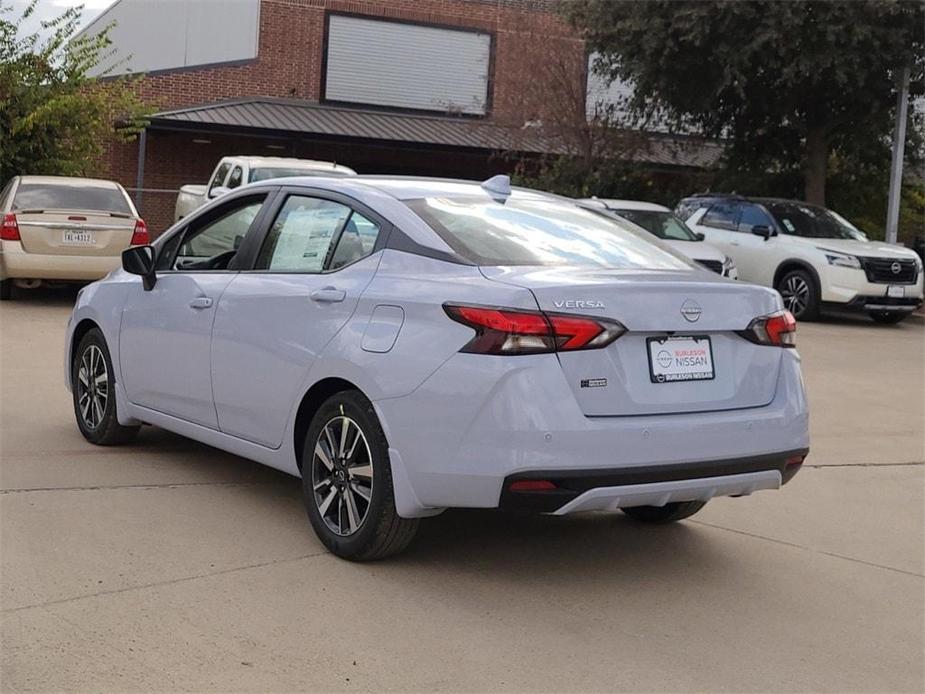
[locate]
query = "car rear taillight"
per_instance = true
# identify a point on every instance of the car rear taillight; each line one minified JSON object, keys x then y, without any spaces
{"x":779,"y":329}
{"x":10,"y":229}
{"x":514,"y":331}
{"x":140,"y":236}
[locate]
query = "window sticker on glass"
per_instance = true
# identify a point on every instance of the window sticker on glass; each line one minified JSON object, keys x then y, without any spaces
{"x":301,"y":236}
{"x":787,"y":223}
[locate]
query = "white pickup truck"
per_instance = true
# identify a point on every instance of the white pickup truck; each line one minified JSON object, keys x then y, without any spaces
{"x":232,"y":172}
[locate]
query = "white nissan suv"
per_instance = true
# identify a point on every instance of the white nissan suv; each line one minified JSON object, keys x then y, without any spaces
{"x":812,"y":256}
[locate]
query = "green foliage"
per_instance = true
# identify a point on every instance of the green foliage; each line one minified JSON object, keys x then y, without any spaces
{"x":54,"y":117}
{"x":792,"y":87}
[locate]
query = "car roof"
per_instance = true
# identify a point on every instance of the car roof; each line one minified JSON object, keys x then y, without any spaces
{"x":410,"y":187}
{"x":613,"y":204}
{"x":69,"y":181}
{"x":707,"y":198}
{"x":292,"y":162}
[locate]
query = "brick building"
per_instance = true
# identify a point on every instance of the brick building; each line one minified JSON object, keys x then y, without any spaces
{"x":432,"y":87}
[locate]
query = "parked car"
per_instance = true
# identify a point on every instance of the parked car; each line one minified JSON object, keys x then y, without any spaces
{"x":408,"y":345}
{"x":60,"y":228}
{"x":662,"y":223}
{"x":232,"y":172}
{"x":809,"y":255}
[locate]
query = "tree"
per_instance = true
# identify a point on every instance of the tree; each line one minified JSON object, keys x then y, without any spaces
{"x":54,"y":117}
{"x":786,"y":84}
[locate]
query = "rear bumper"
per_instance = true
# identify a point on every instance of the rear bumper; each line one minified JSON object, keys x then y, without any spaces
{"x":478,"y":421}
{"x":656,"y":485}
{"x":15,"y":263}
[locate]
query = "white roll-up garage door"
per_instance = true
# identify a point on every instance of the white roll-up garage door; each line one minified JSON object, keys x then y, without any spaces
{"x":406,"y":65}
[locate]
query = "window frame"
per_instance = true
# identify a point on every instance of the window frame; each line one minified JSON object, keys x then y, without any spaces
{"x":272,"y":211}
{"x":213,"y":183}
{"x":246,"y":253}
{"x":737,"y":207}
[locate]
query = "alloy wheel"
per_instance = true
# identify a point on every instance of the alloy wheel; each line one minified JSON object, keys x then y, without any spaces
{"x":92,"y":386}
{"x":342,"y":475}
{"x":795,"y":293}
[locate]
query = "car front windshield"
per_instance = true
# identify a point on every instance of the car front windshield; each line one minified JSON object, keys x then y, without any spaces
{"x":540,"y":231}
{"x":809,"y":221}
{"x":265,"y":174}
{"x":663,"y":224}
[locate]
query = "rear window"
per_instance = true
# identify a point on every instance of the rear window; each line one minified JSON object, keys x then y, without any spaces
{"x":48,"y":196}
{"x":279,"y":172}
{"x":539,"y":232}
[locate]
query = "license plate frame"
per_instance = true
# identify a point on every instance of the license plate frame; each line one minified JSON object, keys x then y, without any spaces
{"x":77,"y":237}
{"x":896,"y":291}
{"x":662,"y":354}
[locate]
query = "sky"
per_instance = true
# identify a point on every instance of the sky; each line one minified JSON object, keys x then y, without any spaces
{"x":49,"y":9}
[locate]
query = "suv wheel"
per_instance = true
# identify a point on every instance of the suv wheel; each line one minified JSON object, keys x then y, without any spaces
{"x":94,"y":399}
{"x":669,"y":513}
{"x":801,"y":297}
{"x":347,"y":481}
{"x":888,"y":317}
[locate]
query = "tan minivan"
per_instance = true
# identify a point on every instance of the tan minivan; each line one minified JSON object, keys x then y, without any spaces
{"x":59,"y":228}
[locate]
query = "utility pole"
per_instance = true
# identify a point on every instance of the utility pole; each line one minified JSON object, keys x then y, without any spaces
{"x":899,"y":146}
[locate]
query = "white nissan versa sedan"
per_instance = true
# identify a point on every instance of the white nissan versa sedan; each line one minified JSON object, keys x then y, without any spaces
{"x":407,"y":345}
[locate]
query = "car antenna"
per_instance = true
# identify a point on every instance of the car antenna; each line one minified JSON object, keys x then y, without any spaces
{"x":498,"y":187}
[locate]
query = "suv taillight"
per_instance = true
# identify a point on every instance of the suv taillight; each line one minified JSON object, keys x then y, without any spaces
{"x":779,"y":330}
{"x":140,"y":236}
{"x":10,"y":229}
{"x":514,"y":331}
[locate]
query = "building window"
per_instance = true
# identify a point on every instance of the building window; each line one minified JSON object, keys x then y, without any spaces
{"x":408,"y":66}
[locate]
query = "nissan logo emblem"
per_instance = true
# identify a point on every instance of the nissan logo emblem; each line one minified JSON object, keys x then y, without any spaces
{"x":896,"y":268}
{"x":691,"y":311}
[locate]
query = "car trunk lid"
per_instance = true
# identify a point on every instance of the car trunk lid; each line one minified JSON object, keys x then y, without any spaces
{"x":655,"y":305}
{"x":74,"y":232}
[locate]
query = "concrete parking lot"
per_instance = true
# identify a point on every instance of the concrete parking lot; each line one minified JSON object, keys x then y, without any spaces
{"x":169,"y":566}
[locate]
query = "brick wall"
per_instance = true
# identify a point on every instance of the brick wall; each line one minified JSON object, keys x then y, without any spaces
{"x":527,"y":36}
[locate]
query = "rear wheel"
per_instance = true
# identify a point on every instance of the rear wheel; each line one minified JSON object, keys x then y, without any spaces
{"x":94,"y":398}
{"x":669,"y":513}
{"x":347,"y":482}
{"x":6,"y":290}
{"x":888,"y":317}
{"x":801,"y":297}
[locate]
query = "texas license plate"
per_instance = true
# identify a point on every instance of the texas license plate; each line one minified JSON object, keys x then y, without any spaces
{"x":680,"y":358}
{"x":895,"y":291}
{"x":81,"y":238}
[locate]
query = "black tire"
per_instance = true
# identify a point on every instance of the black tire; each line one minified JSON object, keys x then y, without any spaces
{"x":888,"y":317}
{"x":347,"y":523}
{"x":669,"y":513}
{"x":800,"y":294}
{"x":95,"y":410}
{"x":6,"y":290}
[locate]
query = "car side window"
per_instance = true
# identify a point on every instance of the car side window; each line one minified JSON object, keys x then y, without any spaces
{"x":219,"y":178}
{"x":213,"y":243}
{"x":234,"y":180}
{"x":753,"y":216}
{"x":314,"y":235}
{"x":721,"y":215}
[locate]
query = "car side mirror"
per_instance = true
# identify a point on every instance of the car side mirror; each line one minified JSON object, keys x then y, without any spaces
{"x":139,"y":260}
{"x":699,"y":235}
{"x":763,"y":231}
{"x":218,"y":191}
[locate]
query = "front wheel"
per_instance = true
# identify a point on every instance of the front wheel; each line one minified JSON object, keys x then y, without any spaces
{"x":347,"y":482}
{"x":669,"y":513}
{"x":801,"y":297}
{"x":93,"y":385}
{"x":888,"y":317}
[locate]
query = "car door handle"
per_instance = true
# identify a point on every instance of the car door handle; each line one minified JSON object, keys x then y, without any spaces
{"x":328,"y":295}
{"x":201,"y":302}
